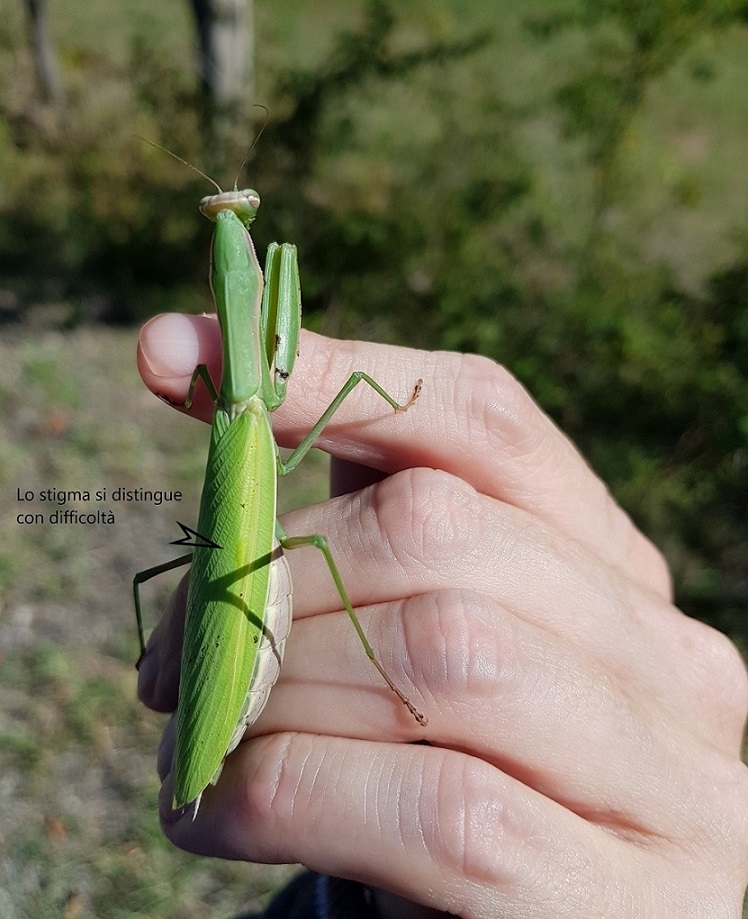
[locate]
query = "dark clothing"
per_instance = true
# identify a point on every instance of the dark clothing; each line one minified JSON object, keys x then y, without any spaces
{"x":317,"y":896}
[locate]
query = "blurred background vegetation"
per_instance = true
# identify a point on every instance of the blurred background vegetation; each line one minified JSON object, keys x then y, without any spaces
{"x":559,"y":184}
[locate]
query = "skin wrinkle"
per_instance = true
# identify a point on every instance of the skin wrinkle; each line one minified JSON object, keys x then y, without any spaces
{"x":317,"y":788}
{"x":343,"y":766}
{"x":546,"y":696}
{"x":444,"y":834}
{"x":468,"y":636}
{"x":319,"y":782}
{"x":306,"y":795}
{"x":380,"y":794}
{"x":427,"y":649}
{"x":464,"y":436}
{"x":358,"y":519}
{"x":394,"y":788}
{"x":370,"y":792}
{"x":705,"y":820}
{"x":330,"y":372}
{"x":354,"y":509}
{"x":386,"y":518}
{"x":392,"y":800}
{"x":416,"y":780}
{"x":265,"y":793}
{"x":502,"y":419}
{"x":407,"y":633}
{"x":396,"y":635}
{"x":443,"y":519}
{"x":718,"y":667}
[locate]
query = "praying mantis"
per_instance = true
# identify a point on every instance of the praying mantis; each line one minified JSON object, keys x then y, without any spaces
{"x":239,"y":604}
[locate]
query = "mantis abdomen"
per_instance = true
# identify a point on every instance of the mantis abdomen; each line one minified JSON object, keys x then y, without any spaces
{"x":239,"y":601}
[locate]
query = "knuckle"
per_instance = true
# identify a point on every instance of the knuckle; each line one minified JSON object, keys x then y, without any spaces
{"x":328,"y":374}
{"x":638,"y":552}
{"x":472,"y":828}
{"x":721,"y":821}
{"x":493,"y":401}
{"x":659,"y":576}
{"x":734,"y":788}
{"x":718,"y":668}
{"x":485,"y":835}
{"x":462,"y":646}
{"x":428,"y":517}
{"x":738,"y":797}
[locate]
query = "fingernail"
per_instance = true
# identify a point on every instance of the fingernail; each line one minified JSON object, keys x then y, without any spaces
{"x":169,"y":345}
{"x":166,"y":749}
{"x":147,"y":667}
{"x":165,"y":796}
{"x":170,"y":816}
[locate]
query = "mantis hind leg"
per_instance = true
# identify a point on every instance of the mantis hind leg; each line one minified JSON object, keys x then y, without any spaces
{"x":140,"y":578}
{"x":320,"y":542}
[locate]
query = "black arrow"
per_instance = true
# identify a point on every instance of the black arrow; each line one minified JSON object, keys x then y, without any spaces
{"x":200,"y":542}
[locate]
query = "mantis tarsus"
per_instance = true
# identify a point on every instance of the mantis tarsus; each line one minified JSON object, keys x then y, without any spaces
{"x":239,"y":599}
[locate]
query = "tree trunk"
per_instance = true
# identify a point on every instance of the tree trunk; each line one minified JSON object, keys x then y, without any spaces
{"x":224,"y":29}
{"x":45,"y":60}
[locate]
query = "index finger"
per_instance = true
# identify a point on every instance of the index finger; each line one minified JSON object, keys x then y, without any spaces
{"x":473,"y":419}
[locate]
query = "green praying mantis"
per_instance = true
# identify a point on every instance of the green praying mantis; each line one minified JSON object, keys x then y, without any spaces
{"x":239,"y":603}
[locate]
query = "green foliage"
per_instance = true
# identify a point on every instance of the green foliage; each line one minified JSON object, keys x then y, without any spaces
{"x":655,"y":395}
{"x":628,"y":44}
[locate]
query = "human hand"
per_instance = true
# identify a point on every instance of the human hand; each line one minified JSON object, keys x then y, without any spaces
{"x":584,"y":736}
